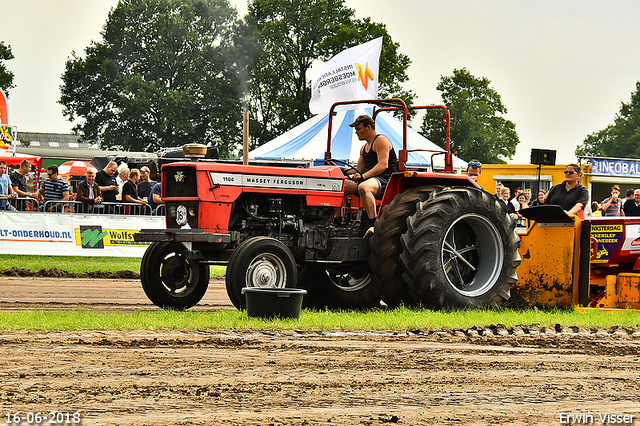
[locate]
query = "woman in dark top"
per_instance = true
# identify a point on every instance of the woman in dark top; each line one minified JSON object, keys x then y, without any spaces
{"x":504,"y":199}
{"x":540,"y":200}
{"x":570,"y":194}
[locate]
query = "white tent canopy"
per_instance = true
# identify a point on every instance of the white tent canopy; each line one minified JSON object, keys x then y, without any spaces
{"x":308,"y":141}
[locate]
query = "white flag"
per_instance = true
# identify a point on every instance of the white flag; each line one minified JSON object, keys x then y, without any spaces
{"x":350,"y":75}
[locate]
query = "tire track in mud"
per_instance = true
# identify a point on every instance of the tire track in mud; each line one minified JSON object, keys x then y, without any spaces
{"x":246,"y":377}
{"x":614,"y":341}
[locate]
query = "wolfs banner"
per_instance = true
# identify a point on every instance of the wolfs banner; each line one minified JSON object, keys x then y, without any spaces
{"x":350,"y":75}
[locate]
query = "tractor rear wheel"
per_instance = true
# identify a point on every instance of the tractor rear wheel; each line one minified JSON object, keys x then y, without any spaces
{"x":339,"y":288}
{"x":259,"y":262}
{"x":169,"y":279}
{"x":460,"y":251}
{"x":386,"y":248}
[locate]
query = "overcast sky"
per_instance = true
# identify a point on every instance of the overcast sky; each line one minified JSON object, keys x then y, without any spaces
{"x":562,"y":67}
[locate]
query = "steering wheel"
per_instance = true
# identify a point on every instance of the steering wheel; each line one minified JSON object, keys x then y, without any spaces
{"x":329,"y":161}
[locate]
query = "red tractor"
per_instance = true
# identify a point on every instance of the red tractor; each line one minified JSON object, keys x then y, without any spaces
{"x":439,"y":240}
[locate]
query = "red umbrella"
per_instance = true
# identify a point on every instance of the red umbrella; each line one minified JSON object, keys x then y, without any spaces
{"x":75,"y":168}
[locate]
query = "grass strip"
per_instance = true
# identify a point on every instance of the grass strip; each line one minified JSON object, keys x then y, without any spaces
{"x":71,"y":264}
{"x":79,"y":265}
{"x":397,"y":320}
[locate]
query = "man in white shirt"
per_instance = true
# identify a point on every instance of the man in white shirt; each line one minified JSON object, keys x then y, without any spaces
{"x":514,"y":200}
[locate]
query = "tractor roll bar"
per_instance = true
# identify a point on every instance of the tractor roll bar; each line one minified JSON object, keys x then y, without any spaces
{"x":403,"y":155}
{"x":398,"y":103}
{"x":394,"y":104}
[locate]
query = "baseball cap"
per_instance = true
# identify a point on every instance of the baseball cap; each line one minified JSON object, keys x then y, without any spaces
{"x":363,"y":119}
{"x":144,"y":169}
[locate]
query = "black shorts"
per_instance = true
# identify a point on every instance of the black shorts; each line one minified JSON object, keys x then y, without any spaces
{"x":382,"y":184}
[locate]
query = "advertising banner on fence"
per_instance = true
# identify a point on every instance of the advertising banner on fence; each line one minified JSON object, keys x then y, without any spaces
{"x":74,"y":235}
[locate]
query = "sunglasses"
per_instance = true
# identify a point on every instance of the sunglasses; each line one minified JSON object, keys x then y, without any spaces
{"x":475,"y":163}
{"x":569,"y":173}
{"x":50,"y":174}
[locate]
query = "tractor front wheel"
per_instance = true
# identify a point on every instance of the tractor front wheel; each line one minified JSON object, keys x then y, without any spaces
{"x":259,"y":262}
{"x":171,"y":280}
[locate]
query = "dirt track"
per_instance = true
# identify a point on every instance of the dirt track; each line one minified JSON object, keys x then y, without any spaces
{"x":517,"y":377}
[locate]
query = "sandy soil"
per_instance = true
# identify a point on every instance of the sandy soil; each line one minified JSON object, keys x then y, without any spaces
{"x":472,"y":377}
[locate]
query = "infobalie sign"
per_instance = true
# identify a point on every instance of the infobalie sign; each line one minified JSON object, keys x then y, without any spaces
{"x":623,"y":168}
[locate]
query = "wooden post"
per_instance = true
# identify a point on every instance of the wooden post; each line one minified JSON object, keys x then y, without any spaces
{"x":245,"y":137}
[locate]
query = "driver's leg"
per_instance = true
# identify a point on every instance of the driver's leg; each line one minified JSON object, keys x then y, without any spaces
{"x":367,"y":191}
{"x":350,"y":187}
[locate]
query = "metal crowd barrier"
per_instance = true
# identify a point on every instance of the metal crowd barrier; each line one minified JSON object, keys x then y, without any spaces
{"x":102,"y":208}
{"x":20,"y":204}
{"x":28,"y":204}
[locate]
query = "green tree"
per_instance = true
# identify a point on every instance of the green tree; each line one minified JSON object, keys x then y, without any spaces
{"x":478,"y":130}
{"x":164,"y":75}
{"x":620,"y":139}
{"x":292,"y":35}
{"x":6,"y":76}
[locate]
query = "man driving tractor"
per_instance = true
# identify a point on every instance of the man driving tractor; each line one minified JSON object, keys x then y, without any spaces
{"x":377,"y":161}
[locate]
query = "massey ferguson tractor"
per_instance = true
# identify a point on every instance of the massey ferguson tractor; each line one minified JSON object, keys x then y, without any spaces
{"x":439,"y":240}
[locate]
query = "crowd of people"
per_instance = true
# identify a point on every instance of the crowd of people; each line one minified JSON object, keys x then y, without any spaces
{"x":615,"y":205}
{"x":570,"y":194}
{"x":114,"y":189}
{"x":573,"y":197}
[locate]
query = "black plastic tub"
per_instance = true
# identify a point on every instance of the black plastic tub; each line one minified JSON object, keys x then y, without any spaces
{"x":269,"y":303}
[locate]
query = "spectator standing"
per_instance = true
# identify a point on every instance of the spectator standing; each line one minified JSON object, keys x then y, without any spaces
{"x":19,"y":183}
{"x":522,"y":201}
{"x":6,"y":190}
{"x":155,"y":196}
{"x":632,"y":207}
{"x":570,"y":194}
{"x":612,"y":206}
{"x":628,"y":196}
{"x":506,"y":193}
{"x":123,"y":176}
{"x":514,"y":200}
{"x":498,"y":193}
{"x":527,"y":195}
{"x":594,"y":211}
{"x":146,"y":184}
{"x":89,"y":192}
{"x":474,"y":168}
{"x":54,"y":189}
{"x":130,"y":192}
{"x":106,"y":180}
{"x":540,"y":200}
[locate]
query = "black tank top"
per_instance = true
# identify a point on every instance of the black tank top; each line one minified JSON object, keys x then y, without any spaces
{"x":371,"y":159}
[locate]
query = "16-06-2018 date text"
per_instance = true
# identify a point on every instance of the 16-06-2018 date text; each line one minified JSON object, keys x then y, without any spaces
{"x":44,"y":418}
